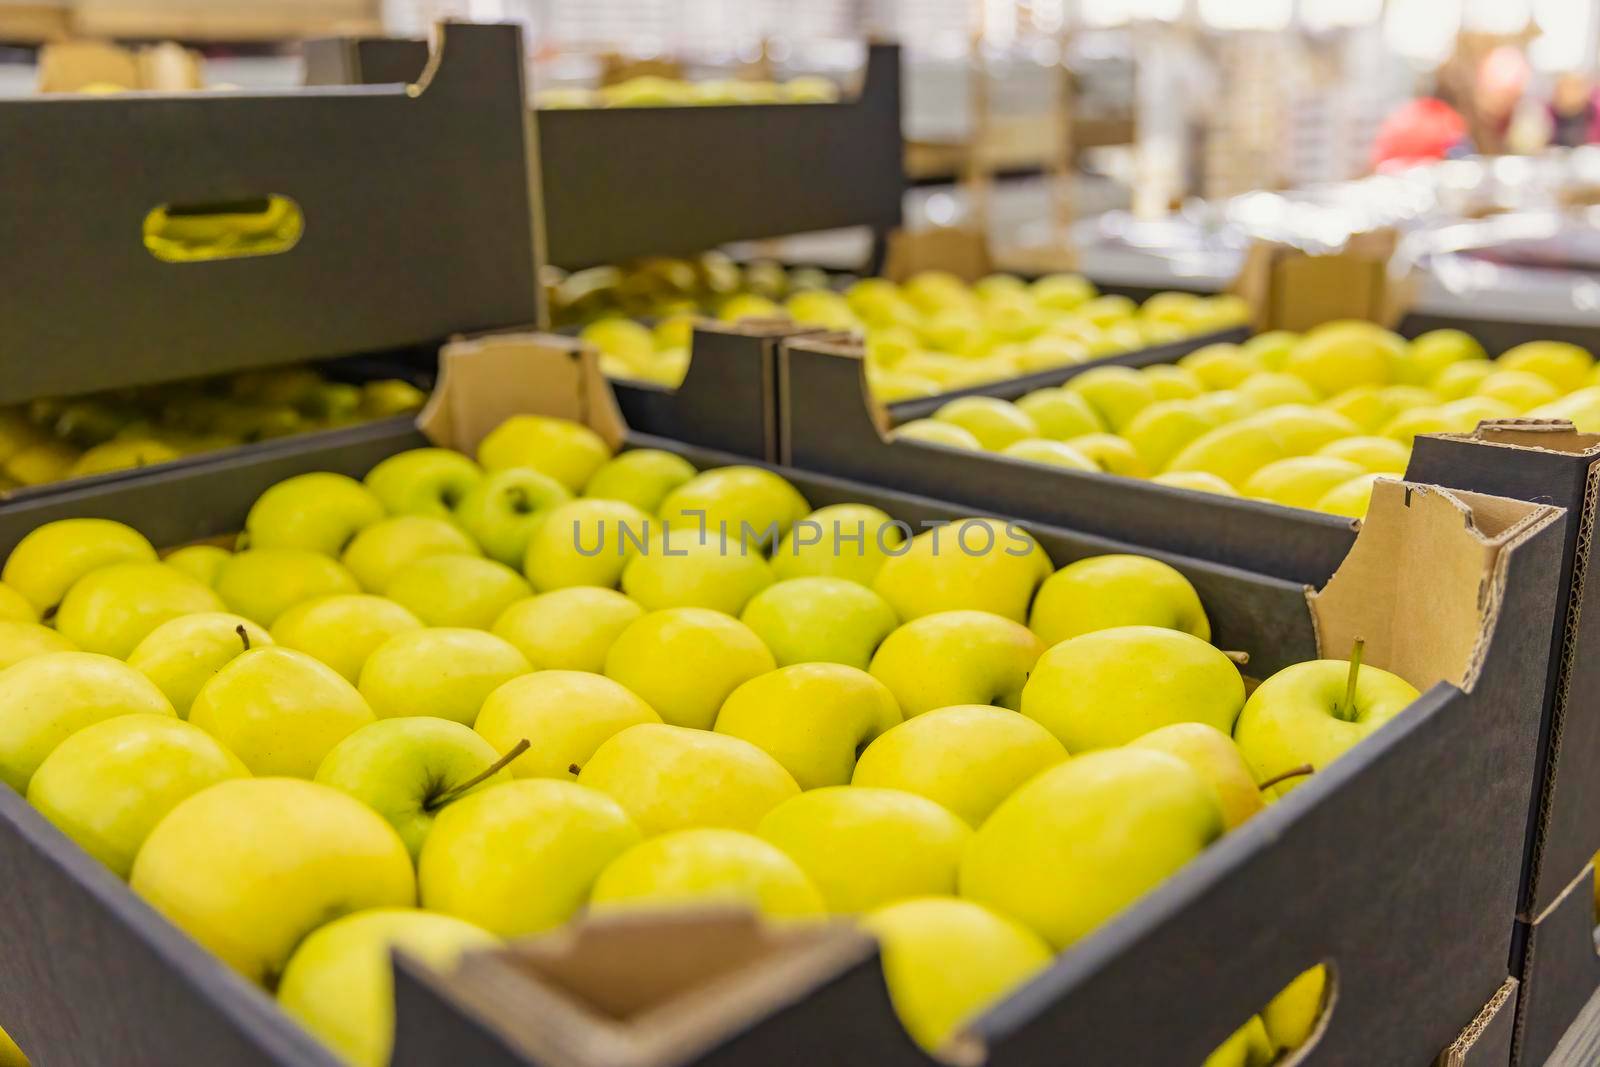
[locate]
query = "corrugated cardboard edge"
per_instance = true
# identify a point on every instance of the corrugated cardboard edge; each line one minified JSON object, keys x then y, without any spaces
{"x":1583,"y":883}
{"x":1454,"y":545}
{"x":559,"y":1029}
{"x":485,"y":380}
{"x":1459,"y":1052}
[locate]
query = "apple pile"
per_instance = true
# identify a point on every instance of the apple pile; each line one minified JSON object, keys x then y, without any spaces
{"x":655,"y":91}
{"x":468,"y":700}
{"x":935,"y":333}
{"x":1307,"y":422}
{"x":50,"y":440}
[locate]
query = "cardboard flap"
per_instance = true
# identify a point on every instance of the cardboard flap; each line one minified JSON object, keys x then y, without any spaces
{"x":1551,"y":435}
{"x":651,"y":989}
{"x":1293,"y":288}
{"x":1480,"y":1044}
{"x":1432,"y":623}
{"x":960,"y":250}
{"x":485,"y":380}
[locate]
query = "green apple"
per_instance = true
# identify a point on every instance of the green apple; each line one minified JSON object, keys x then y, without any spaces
{"x":1292,"y":1015}
{"x":249,"y":867}
{"x":684,"y":662}
{"x":51,"y":558}
{"x":385,"y":548}
{"x":1060,"y":414}
{"x":1198,"y":481}
{"x":564,"y":716}
{"x":111,"y":609}
{"x":1247,"y":1046}
{"x":957,"y":657}
{"x":1116,"y":394}
{"x":1302,"y":429}
{"x":567,"y":629}
{"x":864,"y":848}
{"x":1103,"y":592}
{"x":109,"y":784}
{"x":811,"y":717}
{"x":1221,"y":366}
{"x":1312,"y":713}
{"x":1214,"y":756}
{"x":279,"y":710}
{"x":19,"y":640}
{"x":678,"y":568}
{"x":339,"y":984}
{"x":946,"y":960}
{"x":1432,"y":352}
{"x":423,"y":481}
{"x":462,"y":591}
{"x":1232,"y":452}
{"x":642,"y":477}
{"x":182,"y":654}
{"x":1521,"y":389}
{"x":1050,"y":453}
{"x":1272,"y":348}
{"x":201,"y":562}
{"x":967,"y":758}
{"x":504,"y":508}
{"x":707,"y":866}
{"x":1341,"y":355}
{"x":316,"y":512}
{"x":1380,"y":455}
{"x":1268,"y":389}
{"x":1162,"y":430}
{"x":839,"y":541}
{"x":1300,"y":481}
{"x":342,"y":630}
{"x":567,"y":451}
{"x":45,"y":699}
{"x":1564,"y":365}
{"x":1350,"y":499}
{"x":737,"y":499}
{"x":1108,"y":687}
{"x":932,"y":431}
{"x":263,"y":583}
{"x":1084,"y":840}
{"x":820,"y":620}
{"x":443,"y":671}
{"x":672,"y":778}
{"x":586,"y":542}
{"x":969,"y":563}
{"x":521,"y":858}
{"x":1461,"y":379}
{"x":994,"y":422}
{"x":409,"y":769}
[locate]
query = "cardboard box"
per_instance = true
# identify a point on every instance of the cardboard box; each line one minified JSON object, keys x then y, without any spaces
{"x":97,"y":977}
{"x":225,"y":20}
{"x":366,"y":166}
{"x":1291,"y":288}
{"x":68,"y":66}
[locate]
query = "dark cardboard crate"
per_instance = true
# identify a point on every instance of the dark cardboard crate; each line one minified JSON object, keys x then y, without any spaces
{"x":1375,"y":865}
{"x":695,"y":177}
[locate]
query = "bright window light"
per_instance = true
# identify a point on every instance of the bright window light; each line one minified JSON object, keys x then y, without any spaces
{"x":1326,"y":14}
{"x":1422,"y":30}
{"x":1503,"y":16}
{"x":1247,"y":14}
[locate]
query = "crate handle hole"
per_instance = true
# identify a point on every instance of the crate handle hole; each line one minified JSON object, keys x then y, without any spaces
{"x":223,"y":229}
{"x":1322,"y":996}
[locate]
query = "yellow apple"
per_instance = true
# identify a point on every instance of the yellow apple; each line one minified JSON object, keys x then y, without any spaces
{"x":1272,"y":348}
{"x":1519,"y":388}
{"x":456,"y":590}
{"x":707,"y":866}
{"x":1173,"y":382}
{"x":956,"y":657}
{"x":263,"y":583}
{"x":343,"y":630}
{"x":315,"y":512}
{"x":564,"y":715}
{"x":1302,"y":429}
{"x":1233,"y":452}
{"x":994,"y":422}
{"x":586,"y":542}
{"x":1430,"y":353}
{"x":1060,"y":414}
{"x":1341,"y":355}
{"x":684,"y":662}
{"x":383,"y":549}
{"x":1564,"y":365}
{"x":678,"y":568}
{"x":19,"y":640}
{"x":1212,"y":755}
{"x":981,"y":564}
{"x":1247,"y":1046}
{"x":249,"y":867}
{"x":848,"y":541}
{"x":1300,"y":481}
{"x":182,"y":654}
{"x":1050,"y":453}
{"x":1350,"y":499}
{"x":932,"y":431}
{"x":1108,"y":687}
{"x":111,"y":609}
{"x":45,"y":699}
{"x":736,"y":499}
{"x":423,"y":481}
{"x":1380,"y":455}
{"x":642,"y":477}
{"x":521,"y":858}
{"x":820,"y":620}
{"x":1220,"y":366}
{"x":811,"y":717}
{"x":1199,"y":481}
{"x":1117,"y":394}
{"x":567,"y":629}
{"x":201,"y":562}
{"x":1165,"y":428}
{"x":567,"y":451}
{"x":1293,"y":1014}
{"x":50,"y":559}
{"x":1461,"y":379}
{"x":1268,"y":389}
{"x":1103,"y":592}
{"x":443,"y":671}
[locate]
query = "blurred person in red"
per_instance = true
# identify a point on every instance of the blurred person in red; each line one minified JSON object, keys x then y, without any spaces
{"x":1419,"y":131}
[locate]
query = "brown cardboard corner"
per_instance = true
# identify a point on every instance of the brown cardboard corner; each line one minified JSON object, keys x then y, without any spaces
{"x":842,"y":346}
{"x":1549,"y":435}
{"x":650,"y":989}
{"x":1290,"y":288}
{"x":1493,"y":1017}
{"x":1435,"y":624}
{"x":960,"y":250}
{"x":68,"y":66}
{"x":485,"y":380}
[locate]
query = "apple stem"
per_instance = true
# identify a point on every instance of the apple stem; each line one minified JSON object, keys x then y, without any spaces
{"x":1240,"y":659}
{"x":455,"y":792}
{"x":519,"y":498}
{"x":1293,"y":772}
{"x":574,"y":770}
{"x":1347,"y":710}
{"x":244,"y":635}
